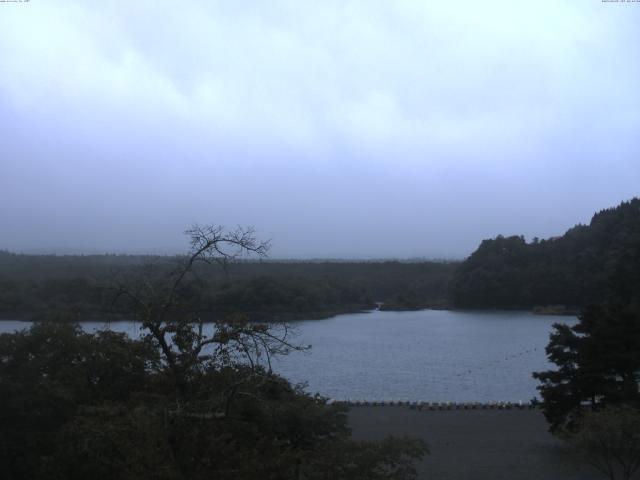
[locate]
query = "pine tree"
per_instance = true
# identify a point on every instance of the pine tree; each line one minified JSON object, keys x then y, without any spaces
{"x":598,"y":363}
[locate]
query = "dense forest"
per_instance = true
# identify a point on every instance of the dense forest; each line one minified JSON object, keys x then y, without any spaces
{"x":579,"y":268}
{"x":50,"y":287}
{"x":556,"y":275}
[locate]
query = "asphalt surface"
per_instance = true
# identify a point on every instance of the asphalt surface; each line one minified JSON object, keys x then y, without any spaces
{"x":476,"y":444}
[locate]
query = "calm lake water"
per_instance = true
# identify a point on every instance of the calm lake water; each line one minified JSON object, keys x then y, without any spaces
{"x":426,"y":355}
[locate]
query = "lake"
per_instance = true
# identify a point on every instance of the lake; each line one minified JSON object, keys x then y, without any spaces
{"x":430,"y":355}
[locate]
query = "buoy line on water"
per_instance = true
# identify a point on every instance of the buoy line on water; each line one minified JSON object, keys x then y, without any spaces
{"x":497,"y":362}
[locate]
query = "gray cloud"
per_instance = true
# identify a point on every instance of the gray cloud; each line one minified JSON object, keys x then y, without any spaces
{"x":351,"y":129}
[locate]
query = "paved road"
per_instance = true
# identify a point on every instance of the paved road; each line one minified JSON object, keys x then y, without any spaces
{"x":476,"y":444}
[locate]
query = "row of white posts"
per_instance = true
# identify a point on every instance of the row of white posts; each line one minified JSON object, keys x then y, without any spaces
{"x":438,"y":405}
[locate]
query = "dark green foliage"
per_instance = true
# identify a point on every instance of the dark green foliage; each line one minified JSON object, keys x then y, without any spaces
{"x":75,"y":288}
{"x":47,"y":375}
{"x":598,"y":363}
{"x":77,"y":406}
{"x":574,"y":270}
{"x":184,"y":402}
{"x":270,"y":297}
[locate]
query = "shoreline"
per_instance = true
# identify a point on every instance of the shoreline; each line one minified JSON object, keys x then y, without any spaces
{"x":289,"y":316}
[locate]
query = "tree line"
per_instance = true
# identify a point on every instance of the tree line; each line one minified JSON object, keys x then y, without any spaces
{"x":574,"y":270}
{"x":49,"y":287}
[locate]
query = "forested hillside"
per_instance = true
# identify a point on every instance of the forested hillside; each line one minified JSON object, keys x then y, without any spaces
{"x":573,"y":270}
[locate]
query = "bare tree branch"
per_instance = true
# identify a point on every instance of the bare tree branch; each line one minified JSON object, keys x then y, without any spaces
{"x":185,"y":347}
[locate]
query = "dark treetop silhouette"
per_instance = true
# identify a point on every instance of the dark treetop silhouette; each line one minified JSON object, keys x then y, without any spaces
{"x":179,"y":403}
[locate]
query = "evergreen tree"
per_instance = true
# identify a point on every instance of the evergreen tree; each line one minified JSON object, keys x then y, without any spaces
{"x":598,"y":363}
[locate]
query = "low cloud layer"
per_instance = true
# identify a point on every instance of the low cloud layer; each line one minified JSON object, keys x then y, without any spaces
{"x":338,"y":129}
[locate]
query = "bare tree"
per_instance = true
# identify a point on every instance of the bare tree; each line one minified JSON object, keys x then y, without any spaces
{"x":158,"y":302}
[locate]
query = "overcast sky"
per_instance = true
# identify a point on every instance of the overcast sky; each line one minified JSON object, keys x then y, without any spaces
{"x":336,"y":128}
